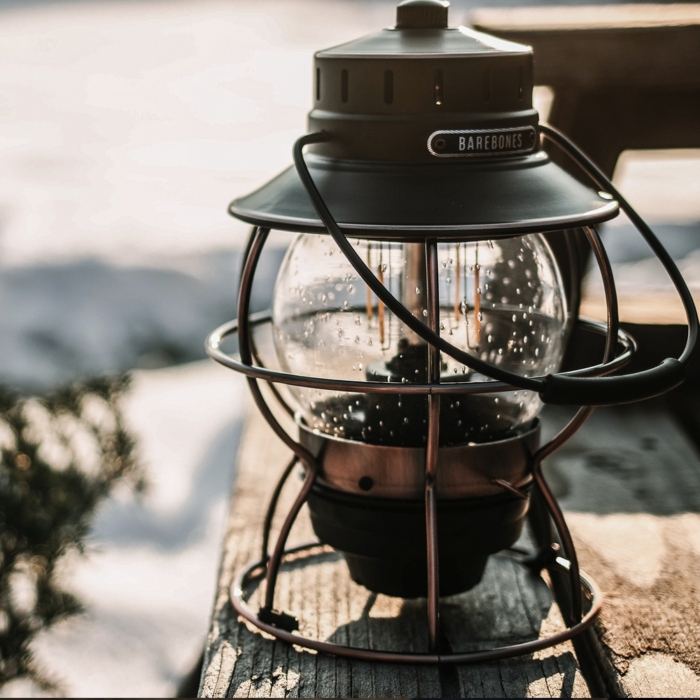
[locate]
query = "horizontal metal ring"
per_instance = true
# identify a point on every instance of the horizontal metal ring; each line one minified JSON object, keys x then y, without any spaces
{"x":213,"y":342}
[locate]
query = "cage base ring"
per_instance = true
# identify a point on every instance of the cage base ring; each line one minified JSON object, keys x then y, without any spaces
{"x":243,"y":577}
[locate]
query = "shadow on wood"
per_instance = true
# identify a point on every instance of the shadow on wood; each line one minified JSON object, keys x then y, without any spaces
{"x":510,"y":605}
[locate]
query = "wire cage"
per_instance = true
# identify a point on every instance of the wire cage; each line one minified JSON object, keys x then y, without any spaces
{"x":586,"y":387}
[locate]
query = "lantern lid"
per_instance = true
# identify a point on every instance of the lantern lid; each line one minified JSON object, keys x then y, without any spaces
{"x":405,"y":202}
{"x":412,"y":42}
{"x":431,"y":131}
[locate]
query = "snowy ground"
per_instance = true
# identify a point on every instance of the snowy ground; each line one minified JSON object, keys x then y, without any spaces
{"x":148,"y":582}
{"x":125,"y":129}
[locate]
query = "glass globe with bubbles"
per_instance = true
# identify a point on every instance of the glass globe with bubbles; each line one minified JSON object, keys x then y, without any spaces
{"x":501,"y":300}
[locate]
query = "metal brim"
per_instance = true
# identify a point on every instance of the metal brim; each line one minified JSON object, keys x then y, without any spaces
{"x":409,"y":201}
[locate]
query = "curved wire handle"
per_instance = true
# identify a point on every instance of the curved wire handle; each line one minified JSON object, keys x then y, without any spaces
{"x":554,"y":388}
{"x":391,"y":302}
{"x":640,"y":385}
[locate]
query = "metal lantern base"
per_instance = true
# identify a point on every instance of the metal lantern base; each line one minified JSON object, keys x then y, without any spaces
{"x":283,"y":626}
{"x":368,"y":502}
{"x":383,"y":540}
{"x":585,"y":600}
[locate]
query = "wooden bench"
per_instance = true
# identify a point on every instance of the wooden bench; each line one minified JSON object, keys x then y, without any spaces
{"x":630,"y":481}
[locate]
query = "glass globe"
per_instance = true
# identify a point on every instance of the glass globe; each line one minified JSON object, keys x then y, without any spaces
{"x":500,"y":300}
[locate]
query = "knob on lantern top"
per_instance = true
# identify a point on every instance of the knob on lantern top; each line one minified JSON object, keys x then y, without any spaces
{"x":422,"y":14}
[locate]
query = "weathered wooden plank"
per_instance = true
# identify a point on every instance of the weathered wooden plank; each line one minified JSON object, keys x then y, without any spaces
{"x":630,"y":483}
{"x":509,"y":605}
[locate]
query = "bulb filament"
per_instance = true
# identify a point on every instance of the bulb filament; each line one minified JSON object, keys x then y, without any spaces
{"x":458,"y":280}
{"x":477,"y":298}
{"x":380,"y":306}
{"x":370,"y":310}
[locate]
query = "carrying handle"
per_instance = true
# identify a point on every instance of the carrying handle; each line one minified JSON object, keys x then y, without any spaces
{"x":628,"y":388}
{"x":390,"y":301}
{"x":611,"y":391}
{"x":554,"y":388}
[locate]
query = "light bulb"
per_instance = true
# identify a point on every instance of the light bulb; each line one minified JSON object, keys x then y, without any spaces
{"x":500,"y":300}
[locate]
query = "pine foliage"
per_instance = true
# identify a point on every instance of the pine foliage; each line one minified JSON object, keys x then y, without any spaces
{"x":61,"y":455}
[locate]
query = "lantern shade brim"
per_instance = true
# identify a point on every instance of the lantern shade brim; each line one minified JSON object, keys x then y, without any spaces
{"x":411,"y":201}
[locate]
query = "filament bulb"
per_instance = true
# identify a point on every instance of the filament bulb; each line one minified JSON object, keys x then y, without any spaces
{"x":327,"y":323}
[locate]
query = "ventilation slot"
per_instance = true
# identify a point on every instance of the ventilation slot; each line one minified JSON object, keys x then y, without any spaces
{"x":521,"y":86}
{"x":438,"y":82}
{"x":389,"y":87}
{"x":318,"y":84}
{"x":344,"y":86}
{"x":487,"y":86}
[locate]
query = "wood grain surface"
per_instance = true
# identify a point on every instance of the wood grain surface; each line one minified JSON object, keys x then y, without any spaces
{"x":509,"y":605}
{"x":580,"y":18}
{"x":646,"y":307}
{"x":629,"y":482}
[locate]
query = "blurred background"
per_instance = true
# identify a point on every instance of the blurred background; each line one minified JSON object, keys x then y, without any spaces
{"x":126,"y":127}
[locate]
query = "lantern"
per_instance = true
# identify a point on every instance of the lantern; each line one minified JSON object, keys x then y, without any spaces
{"x":420,"y":319}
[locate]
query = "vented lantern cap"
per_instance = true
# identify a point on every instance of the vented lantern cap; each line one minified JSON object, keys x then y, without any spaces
{"x":430,"y":130}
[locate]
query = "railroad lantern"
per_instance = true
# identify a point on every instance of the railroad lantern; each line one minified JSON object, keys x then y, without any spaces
{"x":420,"y":320}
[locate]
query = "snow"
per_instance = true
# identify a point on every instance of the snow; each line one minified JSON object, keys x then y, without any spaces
{"x":128,"y":127}
{"x":148,"y":581}
{"x":87,"y":316}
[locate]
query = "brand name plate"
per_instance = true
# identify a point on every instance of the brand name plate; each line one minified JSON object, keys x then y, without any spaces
{"x":471,"y":143}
